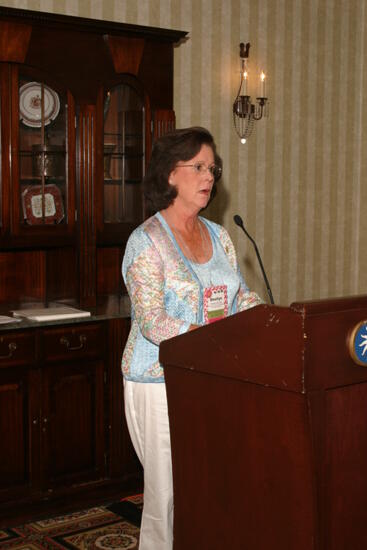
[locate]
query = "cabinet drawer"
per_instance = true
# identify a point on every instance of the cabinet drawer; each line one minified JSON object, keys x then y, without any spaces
{"x":17,"y":348}
{"x":73,"y":342}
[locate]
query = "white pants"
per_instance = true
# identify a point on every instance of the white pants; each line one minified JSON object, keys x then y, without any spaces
{"x":147,"y":419}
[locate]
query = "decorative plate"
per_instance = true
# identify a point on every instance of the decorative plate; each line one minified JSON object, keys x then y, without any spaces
{"x":32,"y":205}
{"x":30,"y":104}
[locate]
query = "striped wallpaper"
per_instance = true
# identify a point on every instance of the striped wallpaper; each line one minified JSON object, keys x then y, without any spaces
{"x":300,"y":182}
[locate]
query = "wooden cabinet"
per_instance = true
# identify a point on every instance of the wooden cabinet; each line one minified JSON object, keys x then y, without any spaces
{"x":52,"y":409}
{"x":81,"y":102}
{"x":62,"y":422}
{"x":72,"y":405}
{"x":19,"y":404}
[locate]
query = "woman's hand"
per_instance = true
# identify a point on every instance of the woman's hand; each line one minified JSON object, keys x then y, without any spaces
{"x":193,"y":327}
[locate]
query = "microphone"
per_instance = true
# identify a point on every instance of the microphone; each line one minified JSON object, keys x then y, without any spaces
{"x":238,"y":221}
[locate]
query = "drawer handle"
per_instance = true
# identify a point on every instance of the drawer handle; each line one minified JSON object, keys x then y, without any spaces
{"x":11,"y":347}
{"x":66,"y":342}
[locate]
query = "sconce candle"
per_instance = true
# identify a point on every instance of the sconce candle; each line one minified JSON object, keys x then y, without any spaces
{"x":245,"y":77}
{"x":262,"y":84}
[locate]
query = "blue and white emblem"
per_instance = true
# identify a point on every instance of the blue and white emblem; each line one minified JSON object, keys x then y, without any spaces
{"x":358,"y":344}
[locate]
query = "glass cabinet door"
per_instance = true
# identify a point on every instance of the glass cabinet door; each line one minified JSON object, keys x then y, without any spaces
{"x":124,"y":155}
{"x":42,"y":154}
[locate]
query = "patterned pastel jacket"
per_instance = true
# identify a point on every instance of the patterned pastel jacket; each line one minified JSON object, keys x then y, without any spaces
{"x":166,"y":297}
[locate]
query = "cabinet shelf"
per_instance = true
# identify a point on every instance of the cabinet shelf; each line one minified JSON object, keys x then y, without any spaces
{"x":127,"y":134}
{"x":112,"y":181}
{"x":124,"y":155}
{"x":29,"y":153}
{"x":29,"y":179}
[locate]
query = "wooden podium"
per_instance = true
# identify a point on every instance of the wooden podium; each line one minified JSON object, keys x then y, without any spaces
{"x":268,"y":418}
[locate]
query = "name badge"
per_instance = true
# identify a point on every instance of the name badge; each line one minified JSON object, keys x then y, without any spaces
{"x":215,"y":303}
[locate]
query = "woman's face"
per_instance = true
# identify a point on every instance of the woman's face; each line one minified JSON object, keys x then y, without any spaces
{"x":194,"y":181}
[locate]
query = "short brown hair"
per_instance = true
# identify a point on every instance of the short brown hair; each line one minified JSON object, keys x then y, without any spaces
{"x":168,"y":150}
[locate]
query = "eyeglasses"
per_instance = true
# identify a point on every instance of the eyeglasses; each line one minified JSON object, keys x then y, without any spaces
{"x":200,"y":168}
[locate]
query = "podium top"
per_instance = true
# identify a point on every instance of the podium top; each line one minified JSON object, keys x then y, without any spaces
{"x":313,"y":307}
{"x":301,"y":348}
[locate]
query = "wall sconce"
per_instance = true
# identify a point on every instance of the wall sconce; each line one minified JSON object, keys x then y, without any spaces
{"x":244,"y":112}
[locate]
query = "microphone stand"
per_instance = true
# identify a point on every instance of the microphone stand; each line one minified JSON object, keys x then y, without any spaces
{"x":238,"y":221}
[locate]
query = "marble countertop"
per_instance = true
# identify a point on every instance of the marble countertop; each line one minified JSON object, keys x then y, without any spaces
{"x":108,"y":307}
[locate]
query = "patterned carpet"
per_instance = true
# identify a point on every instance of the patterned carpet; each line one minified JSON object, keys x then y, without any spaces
{"x":114,"y":526}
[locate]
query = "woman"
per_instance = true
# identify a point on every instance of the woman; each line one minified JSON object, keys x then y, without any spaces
{"x":181,"y":272}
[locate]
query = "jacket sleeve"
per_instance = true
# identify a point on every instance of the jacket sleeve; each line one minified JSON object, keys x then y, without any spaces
{"x":245,"y":297}
{"x":143,"y":272}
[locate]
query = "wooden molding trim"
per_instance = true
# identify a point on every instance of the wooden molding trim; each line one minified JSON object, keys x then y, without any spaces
{"x":126,"y":53}
{"x":14,"y":41}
